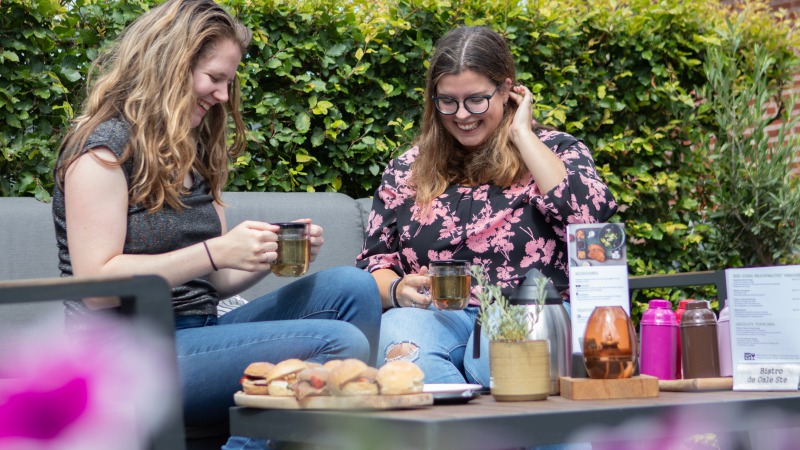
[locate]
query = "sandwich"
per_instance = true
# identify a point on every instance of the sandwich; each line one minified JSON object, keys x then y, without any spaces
{"x":254,"y":380}
{"x":332,"y":363}
{"x":283,"y":376}
{"x":400,"y":377}
{"x":353,"y":377}
{"x":312,"y":382}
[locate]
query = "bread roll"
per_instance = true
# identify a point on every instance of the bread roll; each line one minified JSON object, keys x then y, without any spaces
{"x":330,"y":365}
{"x":400,"y":377}
{"x":312,"y":382}
{"x":254,"y":380}
{"x":353,"y":377}
{"x":283,"y":376}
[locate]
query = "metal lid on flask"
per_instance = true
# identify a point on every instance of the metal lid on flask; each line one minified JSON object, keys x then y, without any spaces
{"x":659,"y":312}
{"x":698,"y":313}
{"x":528,"y":293}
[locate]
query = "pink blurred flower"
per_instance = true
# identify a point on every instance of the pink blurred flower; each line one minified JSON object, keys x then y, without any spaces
{"x":105,"y":391}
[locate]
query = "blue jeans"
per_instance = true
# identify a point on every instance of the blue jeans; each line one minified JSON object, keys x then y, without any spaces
{"x":443,"y":341}
{"x":213,"y":353}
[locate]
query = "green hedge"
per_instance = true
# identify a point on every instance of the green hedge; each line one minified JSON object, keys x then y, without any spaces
{"x":332,"y":89}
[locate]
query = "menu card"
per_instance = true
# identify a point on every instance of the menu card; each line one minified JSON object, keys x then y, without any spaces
{"x":598,"y":273}
{"x":764,"y":305}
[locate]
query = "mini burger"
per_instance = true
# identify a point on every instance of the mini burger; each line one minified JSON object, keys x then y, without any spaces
{"x":353,"y":377}
{"x":312,"y":382}
{"x":283,"y":376}
{"x":254,"y":380}
{"x":400,"y":377}
{"x":332,"y":364}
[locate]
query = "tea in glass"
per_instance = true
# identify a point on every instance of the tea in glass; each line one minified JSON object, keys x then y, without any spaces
{"x":293,"y":250}
{"x":450,"y":284}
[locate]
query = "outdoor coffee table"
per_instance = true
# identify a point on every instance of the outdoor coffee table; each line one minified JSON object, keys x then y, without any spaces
{"x":484,"y":424}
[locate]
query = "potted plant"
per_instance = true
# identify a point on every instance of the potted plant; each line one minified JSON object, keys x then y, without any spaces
{"x":519,"y":367}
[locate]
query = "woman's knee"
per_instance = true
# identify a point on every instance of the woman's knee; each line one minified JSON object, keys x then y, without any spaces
{"x":350,"y":279}
{"x":350,"y":342}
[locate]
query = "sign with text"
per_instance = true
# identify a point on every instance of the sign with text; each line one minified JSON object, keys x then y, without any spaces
{"x":598,"y":273}
{"x":764,"y":305}
{"x":766,"y":377}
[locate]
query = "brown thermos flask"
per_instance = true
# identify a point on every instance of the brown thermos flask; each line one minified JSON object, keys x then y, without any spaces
{"x":699,"y":347}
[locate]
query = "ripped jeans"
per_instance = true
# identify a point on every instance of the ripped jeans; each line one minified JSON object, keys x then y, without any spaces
{"x":441,"y":343}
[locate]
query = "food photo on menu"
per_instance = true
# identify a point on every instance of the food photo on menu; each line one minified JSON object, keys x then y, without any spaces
{"x":597,"y":244}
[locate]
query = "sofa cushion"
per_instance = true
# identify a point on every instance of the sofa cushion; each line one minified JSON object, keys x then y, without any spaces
{"x":27,"y":239}
{"x":27,"y":251}
{"x":365,"y":204}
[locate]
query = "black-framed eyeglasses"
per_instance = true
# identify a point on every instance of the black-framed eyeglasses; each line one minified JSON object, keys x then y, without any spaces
{"x":475,"y":104}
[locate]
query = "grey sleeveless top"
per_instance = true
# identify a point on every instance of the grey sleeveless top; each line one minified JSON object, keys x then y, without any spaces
{"x":151,"y":233}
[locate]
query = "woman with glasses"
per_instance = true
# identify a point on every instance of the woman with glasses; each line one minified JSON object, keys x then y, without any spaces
{"x":483,"y":183}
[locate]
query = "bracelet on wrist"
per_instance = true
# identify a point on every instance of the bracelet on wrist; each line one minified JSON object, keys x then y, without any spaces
{"x":208,"y":252}
{"x":393,"y":291}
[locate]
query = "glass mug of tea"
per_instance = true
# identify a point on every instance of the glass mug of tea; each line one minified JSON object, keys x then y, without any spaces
{"x":293,"y":250}
{"x":450,"y":284}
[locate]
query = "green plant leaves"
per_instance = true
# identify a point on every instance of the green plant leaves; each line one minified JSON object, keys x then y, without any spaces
{"x":332,"y":89}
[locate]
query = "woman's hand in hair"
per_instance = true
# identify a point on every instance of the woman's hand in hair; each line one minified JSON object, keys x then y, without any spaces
{"x":547,"y":170}
{"x":521,"y":124}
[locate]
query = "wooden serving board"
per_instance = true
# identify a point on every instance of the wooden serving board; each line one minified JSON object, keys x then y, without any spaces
{"x":642,"y":386}
{"x":331,"y":402}
{"x":697,"y":384}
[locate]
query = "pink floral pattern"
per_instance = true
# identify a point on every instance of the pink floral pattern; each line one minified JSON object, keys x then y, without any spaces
{"x":507,"y":231}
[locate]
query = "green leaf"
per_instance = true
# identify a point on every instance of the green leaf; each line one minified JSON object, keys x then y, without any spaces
{"x":336,"y":50}
{"x":9,"y":56}
{"x":302,"y":122}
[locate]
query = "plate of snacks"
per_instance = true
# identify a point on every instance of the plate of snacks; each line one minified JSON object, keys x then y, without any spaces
{"x":337,"y":384}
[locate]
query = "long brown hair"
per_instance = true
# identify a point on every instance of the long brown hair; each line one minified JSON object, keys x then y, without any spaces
{"x":442,"y":161}
{"x":145,"y":78}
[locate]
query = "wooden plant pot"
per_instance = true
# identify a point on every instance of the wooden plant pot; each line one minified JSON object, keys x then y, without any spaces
{"x":520,"y":371}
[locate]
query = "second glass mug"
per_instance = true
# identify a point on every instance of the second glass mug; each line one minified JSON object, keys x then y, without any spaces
{"x":293,"y":250}
{"x":450,"y":284}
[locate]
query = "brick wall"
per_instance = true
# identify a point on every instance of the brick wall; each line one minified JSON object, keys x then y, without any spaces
{"x":773,"y":129}
{"x":793,"y":6}
{"x":790,"y":5}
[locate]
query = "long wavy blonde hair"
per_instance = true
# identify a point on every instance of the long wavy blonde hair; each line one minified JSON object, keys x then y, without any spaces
{"x":442,"y":161}
{"x":145,"y":78}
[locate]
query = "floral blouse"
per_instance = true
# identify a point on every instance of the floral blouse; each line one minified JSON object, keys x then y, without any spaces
{"x":506,"y":231}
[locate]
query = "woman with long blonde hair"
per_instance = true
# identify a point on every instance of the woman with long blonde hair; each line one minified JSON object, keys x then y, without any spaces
{"x":485,"y":184}
{"x":140,"y":176}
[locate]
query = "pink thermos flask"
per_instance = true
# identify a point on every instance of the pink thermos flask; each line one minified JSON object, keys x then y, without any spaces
{"x":658,"y":330}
